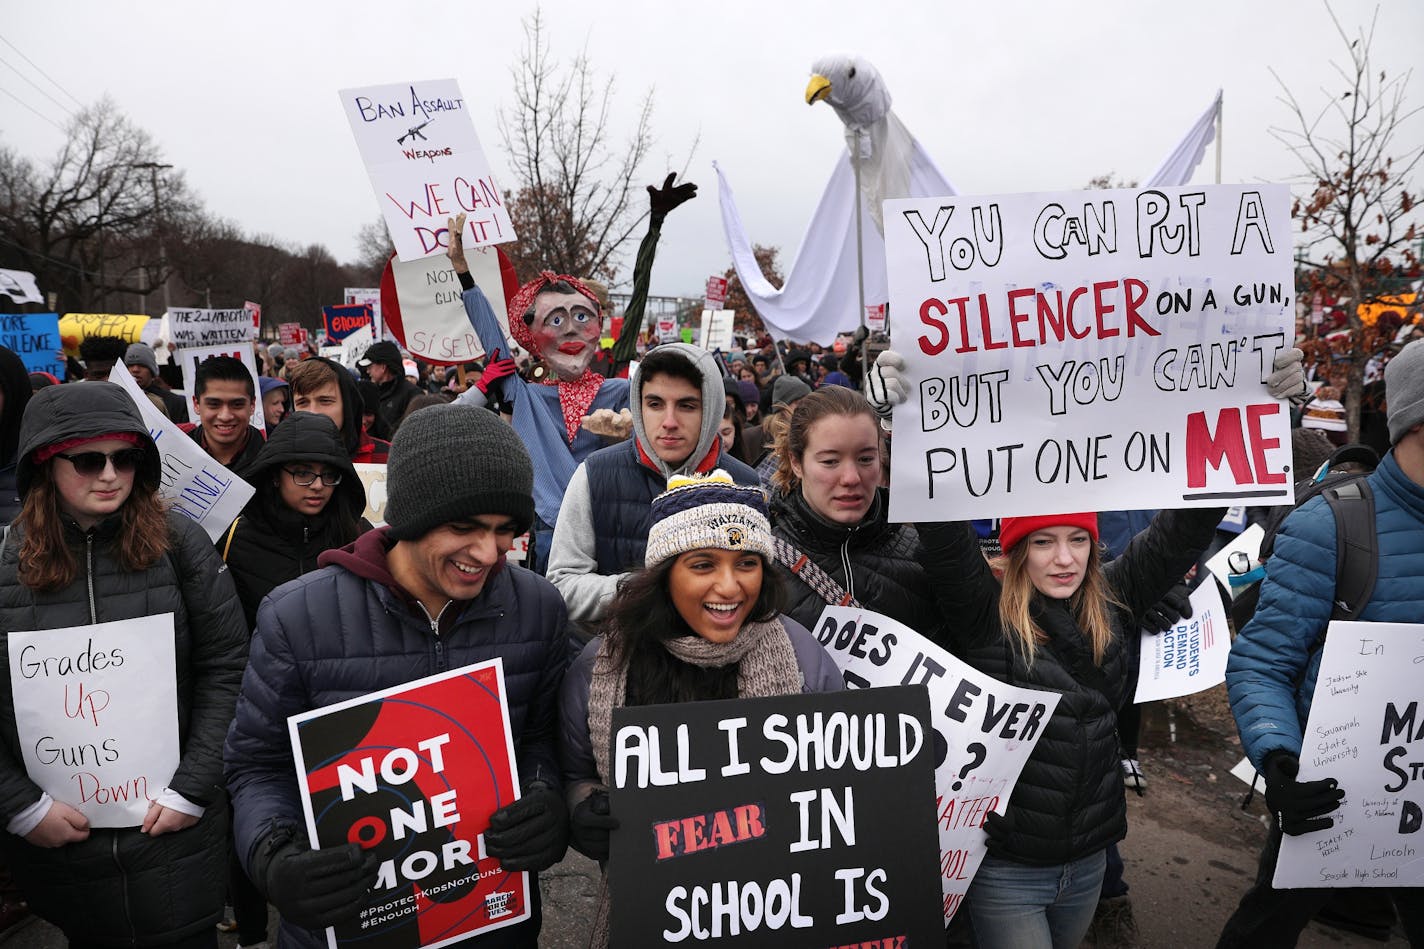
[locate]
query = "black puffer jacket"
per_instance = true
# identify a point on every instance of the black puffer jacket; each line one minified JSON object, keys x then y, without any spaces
{"x":1068,"y":802}
{"x":271,"y":543}
{"x":875,"y":561}
{"x":121,"y":887}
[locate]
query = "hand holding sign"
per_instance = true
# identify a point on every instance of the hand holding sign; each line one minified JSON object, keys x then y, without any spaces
{"x":165,"y":820}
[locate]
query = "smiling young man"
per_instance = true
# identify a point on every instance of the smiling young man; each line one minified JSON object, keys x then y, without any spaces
{"x":430,"y":592}
{"x":223,"y":401}
{"x":602,"y":534}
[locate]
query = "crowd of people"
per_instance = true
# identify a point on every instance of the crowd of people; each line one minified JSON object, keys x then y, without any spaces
{"x":690,"y":514}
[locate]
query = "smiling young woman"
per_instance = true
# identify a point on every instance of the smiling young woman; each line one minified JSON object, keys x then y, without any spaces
{"x":701,"y":621}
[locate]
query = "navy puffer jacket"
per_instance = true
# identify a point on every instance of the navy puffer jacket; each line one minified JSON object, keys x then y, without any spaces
{"x":345,"y":631}
{"x":1068,"y":802}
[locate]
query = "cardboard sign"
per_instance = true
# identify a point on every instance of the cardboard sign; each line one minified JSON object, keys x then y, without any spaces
{"x":74,"y":328}
{"x":189,"y":359}
{"x":428,"y":316}
{"x":984,"y":729}
{"x":413,"y":774}
{"x":1191,"y":656}
{"x":211,"y":327}
{"x":1086,"y":350}
{"x":716,"y":329}
{"x":96,"y":709}
{"x":34,"y":337}
{"x":811,"y":816}
{"x":426,"y":165}
{"x":368,"y":296}
{"x":190,"y":480}
{"x":373,"y":478}
{"x":1365,"y":730}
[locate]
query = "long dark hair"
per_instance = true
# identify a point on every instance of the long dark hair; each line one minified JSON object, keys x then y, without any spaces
{"x":642,"y":618}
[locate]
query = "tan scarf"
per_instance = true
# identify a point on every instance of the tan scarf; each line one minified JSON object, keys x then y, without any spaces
{"x":766,"y":665}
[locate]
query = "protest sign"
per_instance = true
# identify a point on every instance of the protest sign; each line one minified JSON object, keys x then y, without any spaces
{"x":34,"y":337}
{"x":716,"y":293}
{"x":191,"y":327}
{"x":20,"y":286}
{"x":809,"y":816}
{"x":426,"y":165}
{"x":353,"y":347}
{"x":189,"y":360}
{"x":425,"y":312}
{"x":74,"y":328}
{"x":330,"y":352}
{"x":1082,"y":350}
{"x":875,"y":317}
{"x":341,"y":321}
{"x":96,"y":710}
{"x":290,"y":334}
{"x":190,"y":480}
{"x":413,"y":773}
{"x":1248,"y":542}
{"x":667,"y":329}
{"x":255,"y":311}
{"x":1191,"y":656}
{"x":984,"y":729}
{"x":1365,"y":730}
{"x":370,"y":296}
{"x":373,"y":478}
{"x":716,"y":330}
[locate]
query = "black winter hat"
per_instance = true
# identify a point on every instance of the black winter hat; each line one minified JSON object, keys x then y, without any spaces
{"x":81,"y":410}
{"x":450,"y":463}
{"x":385,"y":352}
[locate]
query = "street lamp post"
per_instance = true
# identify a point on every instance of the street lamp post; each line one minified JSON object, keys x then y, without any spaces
{"x":154,"y":168}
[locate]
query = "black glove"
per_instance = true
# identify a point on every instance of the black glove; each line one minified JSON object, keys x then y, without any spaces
{"x":999,"y":827}
{"x":1299,"y":806}
{"x":590,"y":824}
{"x":313,"y":888}
{"x":667,"y":197}
{"x":1174,"y":606}
{"x":532,"y":833}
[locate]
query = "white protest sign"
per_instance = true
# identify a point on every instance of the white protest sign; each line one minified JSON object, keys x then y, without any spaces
{"x":432,"y":313}
{"x":426,"y":165}
{"x":1191,"y":656}
{"x":984,"y":729}
{"x":373,"y":478}
{"x":188,"y":360}
{"x":367,"y":296}
{"x":1247,"y":542}
{"x":716,"y":331}
{"x":1365,"y":730}
{"x":354,"y":346}
{"x":667,"y":329}
{"x":1088,"y":350}
{"x":330,"y":352}
{"x":210,"y":327}
{"x":96,"y":709}
{"x":190,"y":480}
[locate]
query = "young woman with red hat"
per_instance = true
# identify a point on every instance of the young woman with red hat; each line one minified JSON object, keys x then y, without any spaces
{"x":1056,"y":618}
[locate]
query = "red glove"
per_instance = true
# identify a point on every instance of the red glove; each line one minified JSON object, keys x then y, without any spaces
{"x":495,"y":370}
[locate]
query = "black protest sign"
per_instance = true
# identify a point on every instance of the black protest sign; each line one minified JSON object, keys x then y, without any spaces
{"x":801,"y":820}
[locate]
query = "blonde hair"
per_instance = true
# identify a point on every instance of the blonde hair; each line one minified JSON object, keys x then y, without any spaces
{"x":1090,"y":604}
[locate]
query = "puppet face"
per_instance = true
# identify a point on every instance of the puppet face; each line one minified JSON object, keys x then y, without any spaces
{"x":566,"y":330}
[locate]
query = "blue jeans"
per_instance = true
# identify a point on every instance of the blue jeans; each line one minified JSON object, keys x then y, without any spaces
{"x":1018,"y":906}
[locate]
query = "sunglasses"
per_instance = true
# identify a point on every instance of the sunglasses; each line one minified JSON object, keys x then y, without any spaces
{"x":91,"y":463}
{"x":305,"y":477}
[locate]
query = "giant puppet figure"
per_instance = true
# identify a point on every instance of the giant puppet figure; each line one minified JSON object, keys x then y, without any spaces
{"x":557,"y":318}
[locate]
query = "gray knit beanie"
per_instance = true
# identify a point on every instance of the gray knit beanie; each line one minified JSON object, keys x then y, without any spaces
{"x":787,"y":389}
{"x":449,"y":463}
{"x":140,"y":354}
{"x":1404,"y":390}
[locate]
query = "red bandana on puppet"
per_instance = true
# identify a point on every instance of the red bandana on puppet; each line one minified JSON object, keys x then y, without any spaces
{"x":576,"y":394}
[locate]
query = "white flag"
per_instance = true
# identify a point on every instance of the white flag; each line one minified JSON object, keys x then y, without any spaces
{"x":20,"y":286}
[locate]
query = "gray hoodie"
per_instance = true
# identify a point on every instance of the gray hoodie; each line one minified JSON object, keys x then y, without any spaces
{"x":573,"y":561}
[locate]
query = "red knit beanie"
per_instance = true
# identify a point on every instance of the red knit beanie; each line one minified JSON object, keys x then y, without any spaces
{"x":1014,"y":529}
{"x":49,"y":451}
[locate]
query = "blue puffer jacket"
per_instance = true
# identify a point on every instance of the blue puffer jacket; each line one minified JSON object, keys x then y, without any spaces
{"x":1296,"y":602}
{"x":344,"y":631}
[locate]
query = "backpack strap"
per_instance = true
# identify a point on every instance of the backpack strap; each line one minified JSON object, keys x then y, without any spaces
{"x":805,"y":569}
{"x":1356,"y":547}
{"x":227,"y":541}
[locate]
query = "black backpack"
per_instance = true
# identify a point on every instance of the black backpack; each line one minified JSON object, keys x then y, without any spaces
{"x":1352,"y":502}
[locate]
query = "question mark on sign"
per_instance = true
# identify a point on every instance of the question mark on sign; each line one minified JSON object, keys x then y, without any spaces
{"x":977,"y":754}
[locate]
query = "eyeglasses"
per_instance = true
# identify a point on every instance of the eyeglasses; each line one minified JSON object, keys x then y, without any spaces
{"x":91,"y":463}
{"x":305,"y":477}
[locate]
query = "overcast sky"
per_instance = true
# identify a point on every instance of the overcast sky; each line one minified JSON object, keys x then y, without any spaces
{"x":1005,"y":96}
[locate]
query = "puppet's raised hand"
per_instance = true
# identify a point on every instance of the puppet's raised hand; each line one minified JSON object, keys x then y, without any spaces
{"x":667,"y":197}
{"x":455,"y":227}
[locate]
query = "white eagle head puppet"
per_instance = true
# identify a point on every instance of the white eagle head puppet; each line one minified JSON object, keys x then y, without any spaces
{"x":851,"y":86}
